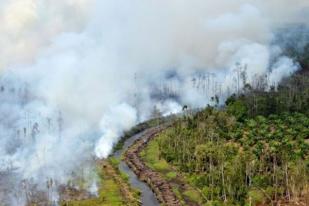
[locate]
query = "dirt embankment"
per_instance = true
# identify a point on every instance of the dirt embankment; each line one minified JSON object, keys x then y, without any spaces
{"x":124,"y":187}
{"x":158,"y":184}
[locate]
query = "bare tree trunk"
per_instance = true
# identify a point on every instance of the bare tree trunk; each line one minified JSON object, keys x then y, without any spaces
{"x":211,"y":179}
{"x":275,"y":178}
{"x":287,"y":182}
{"x":223,"y":182}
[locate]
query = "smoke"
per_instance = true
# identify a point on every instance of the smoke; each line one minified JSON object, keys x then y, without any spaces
{"x":120,"y":118}
{"x":27,"y":26}
{"x":77,"y":74}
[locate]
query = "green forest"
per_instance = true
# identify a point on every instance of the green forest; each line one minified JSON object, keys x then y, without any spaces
{"x":253,"y":151}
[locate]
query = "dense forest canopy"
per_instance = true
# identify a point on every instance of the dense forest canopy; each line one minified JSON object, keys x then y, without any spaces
{"x":259,"y":159}
{"x":253,"y":151}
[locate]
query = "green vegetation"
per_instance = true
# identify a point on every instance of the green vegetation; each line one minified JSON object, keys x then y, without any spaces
{"x":171,"y":175}
{"x":193,"y":195}
{"x":255,"y":151}
{"x":151,"y":156}
{"x":258,"y":160}
{"x":292,"y":95}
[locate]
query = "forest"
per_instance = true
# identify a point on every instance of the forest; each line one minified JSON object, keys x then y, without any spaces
{"x":253,"y":151}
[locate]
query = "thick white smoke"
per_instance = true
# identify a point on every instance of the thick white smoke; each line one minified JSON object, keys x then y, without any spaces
{"x":120,"y":118}
{"x":77,"y":73}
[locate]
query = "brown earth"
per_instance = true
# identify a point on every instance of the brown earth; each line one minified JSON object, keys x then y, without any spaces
{"x":156,"y":182}
{"x":124,"y":187}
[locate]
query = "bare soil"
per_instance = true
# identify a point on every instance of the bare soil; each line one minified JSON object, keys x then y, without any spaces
{"x":156,"y":182}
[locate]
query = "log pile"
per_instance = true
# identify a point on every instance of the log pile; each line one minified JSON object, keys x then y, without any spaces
{"x":156,"y":182}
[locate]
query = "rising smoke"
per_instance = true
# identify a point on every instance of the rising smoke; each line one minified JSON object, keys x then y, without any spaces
{"x":77,"y":73}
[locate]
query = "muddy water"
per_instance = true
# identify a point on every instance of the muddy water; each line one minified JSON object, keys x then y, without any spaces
{"x":148,"y":198}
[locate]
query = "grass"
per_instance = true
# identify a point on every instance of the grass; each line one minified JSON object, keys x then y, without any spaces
{"x":256,"y":197}
{"x":178,"y":194}
{"x":151,"y":157}
{"x":193,"y":195}
{"x":114,"y":162}
{"x":124,"y":176}
{"x":171,"y":175}
{"x":109,"y":193}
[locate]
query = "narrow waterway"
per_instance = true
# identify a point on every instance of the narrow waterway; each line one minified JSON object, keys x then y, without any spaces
{"x":148,"y":198}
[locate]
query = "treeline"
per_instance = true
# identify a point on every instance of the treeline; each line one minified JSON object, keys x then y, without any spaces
{"x":291,"y":95}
